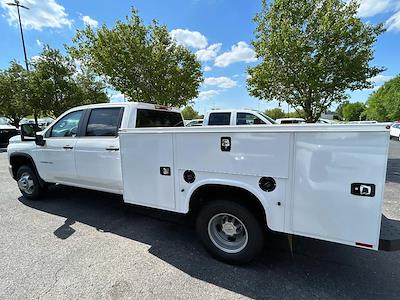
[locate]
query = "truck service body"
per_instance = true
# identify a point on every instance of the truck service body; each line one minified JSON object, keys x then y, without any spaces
{"x":319,"y":181}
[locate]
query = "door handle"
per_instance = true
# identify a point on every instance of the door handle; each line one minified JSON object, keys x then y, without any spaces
{"x":68,"y":147}
{"x":112,"y":148}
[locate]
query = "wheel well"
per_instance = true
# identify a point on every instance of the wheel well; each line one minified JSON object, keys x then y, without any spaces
{"x":18,"y":160}
{"x":211,"y":192}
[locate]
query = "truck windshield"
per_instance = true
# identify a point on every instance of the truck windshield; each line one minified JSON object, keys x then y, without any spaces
{"x":158,"y":118}
{"x":3,"y":121}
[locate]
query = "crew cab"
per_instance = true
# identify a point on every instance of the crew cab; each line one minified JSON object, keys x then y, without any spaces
{"x":233,"y":117}
{"x":320,"y":181}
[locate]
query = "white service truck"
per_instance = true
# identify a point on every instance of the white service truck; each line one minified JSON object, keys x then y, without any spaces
{"x":324,"y":182}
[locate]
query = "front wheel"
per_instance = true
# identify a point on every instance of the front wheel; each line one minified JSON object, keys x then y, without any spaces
{"x":230,"y":231}
{"x":28,"y":183}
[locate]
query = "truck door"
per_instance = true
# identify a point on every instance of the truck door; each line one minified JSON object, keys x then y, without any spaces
{"x":97,"y":151}
{"x":57,"y":157}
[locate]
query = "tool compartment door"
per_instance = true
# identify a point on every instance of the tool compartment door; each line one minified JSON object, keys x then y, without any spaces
{"x":142,"y":156}
{"x":326,"y":164}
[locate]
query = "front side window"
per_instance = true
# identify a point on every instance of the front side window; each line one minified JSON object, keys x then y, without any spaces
{"x":158,"y":118}
{"x":219,"y":119}
{"x":104,"y":121}
{"x":248,"y":119}
{"x":67,"y":126}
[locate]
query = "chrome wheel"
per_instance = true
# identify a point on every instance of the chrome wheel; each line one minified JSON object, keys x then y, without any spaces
{"x":228,"y":233}
{"x":26,"y":184}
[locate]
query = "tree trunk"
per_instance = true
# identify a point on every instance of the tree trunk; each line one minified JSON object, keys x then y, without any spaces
{"x":36,"y":121}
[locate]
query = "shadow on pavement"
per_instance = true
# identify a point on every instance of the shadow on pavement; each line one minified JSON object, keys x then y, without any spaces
{"x":317,"y":269}
{"x":393,"y":170}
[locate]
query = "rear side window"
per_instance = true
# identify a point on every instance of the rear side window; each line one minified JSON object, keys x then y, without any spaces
{"x":219,"y":119}
{"x":158,"y":118}
{"x":248,"y":119}
{"x":104,"y":121}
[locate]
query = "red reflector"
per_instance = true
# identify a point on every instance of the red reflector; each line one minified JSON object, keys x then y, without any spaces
{"x":364,"y":245}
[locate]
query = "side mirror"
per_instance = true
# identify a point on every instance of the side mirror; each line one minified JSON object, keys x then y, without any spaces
{"x":39,"y":140}
{"x":28,"y":132}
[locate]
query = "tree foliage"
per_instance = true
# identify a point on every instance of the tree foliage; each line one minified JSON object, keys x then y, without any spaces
{"x":143,"y":62}
{"x":52,"y":86}
{"x":384,"y":104}
{"x":189,"y":113}
{"x":14,"y":93}
{"x":275,"y":113}
{"x":353,"y":111}
{"x":311,"y":52}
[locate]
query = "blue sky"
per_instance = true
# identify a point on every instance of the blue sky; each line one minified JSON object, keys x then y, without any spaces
{"x":218,"y":31}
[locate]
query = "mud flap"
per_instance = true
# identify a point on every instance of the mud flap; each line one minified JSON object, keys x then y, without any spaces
{"x":390,"y":235}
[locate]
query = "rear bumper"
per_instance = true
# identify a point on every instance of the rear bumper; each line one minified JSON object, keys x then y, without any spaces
{"x":390,"y":235}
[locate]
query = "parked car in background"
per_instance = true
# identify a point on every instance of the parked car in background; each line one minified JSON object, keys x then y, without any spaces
{"x":194,"y":122}
{"x":42,"y":122}
{"x":236,"y":117}
{"x":364,"y":122}
{"x":290,"y":121}
{"x":6,"y":132}
{"x":325,"y":121}
{"x":395,"y":131}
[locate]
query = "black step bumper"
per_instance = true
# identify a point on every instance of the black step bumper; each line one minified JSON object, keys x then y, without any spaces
{"x":390,"y":235}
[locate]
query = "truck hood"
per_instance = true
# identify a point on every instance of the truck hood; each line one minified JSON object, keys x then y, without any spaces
{"x":15,"y":139}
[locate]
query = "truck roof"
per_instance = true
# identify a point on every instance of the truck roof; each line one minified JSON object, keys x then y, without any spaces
{"x":133,"y":105}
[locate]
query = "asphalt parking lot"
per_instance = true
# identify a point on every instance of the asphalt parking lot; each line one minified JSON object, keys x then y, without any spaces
{"x":84,"y":244}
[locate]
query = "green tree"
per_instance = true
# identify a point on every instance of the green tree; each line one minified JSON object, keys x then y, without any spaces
{"x":143,"y":62}
{"x":311,"y":52}
{"x":384,"y":104}
{"x":339,"y":110}
{"x":189,"y":113}
{"x":353,"y":111}
{"x":56,"y":85}
{"x":275,"y":113}
{"x":14,"y":93}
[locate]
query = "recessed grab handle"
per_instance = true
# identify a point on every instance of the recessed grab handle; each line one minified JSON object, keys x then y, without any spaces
{"x":68,"y":147}
{"x":112,"y":148}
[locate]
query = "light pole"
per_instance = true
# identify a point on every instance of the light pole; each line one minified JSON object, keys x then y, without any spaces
{"x":16,"y":3}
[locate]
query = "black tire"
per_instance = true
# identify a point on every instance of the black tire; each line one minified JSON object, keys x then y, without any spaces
{"x":37,"y":191}
{"x":253,"y":227}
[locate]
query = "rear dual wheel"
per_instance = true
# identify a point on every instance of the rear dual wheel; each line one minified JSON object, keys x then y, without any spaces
{"x":230,"y":231}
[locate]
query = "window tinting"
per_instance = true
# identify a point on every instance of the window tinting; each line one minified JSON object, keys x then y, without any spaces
{"x":219,"y":119}
{"x":104,"y":122}
{"x":158,"y":118}
{"x":67,"y":126}
{"x":248,"y":119}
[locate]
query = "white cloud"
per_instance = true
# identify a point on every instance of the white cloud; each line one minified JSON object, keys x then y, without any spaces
{"x":208,"y":53}
{"x":208,"y":94}
{"x":207,"y":68}
{"x":222,"y":82}
{"x":39,"y":43}
{"x":41,"y":14}
{"x":381,"y":79}
{"x":369,"y":8}
{"x":189,"y":38}
{"x":393,"y":23}
{"x":239,"y":52}
{"x":88,"y":21}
